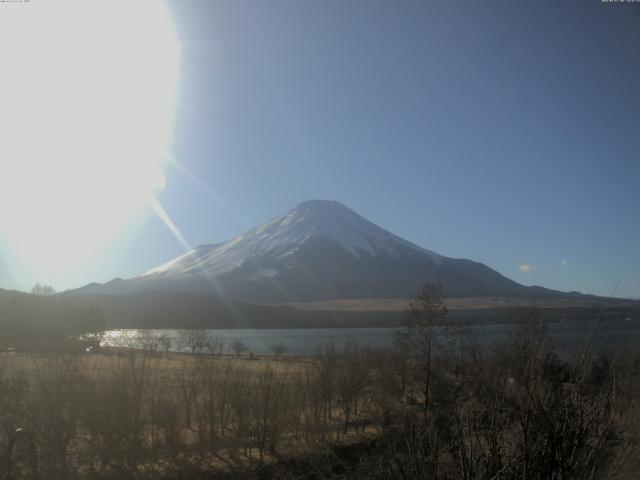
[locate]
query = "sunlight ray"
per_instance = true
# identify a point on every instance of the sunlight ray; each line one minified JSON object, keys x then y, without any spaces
{"x":164,"y":216}
{"x":173,"y":162}
{"x":238,"y":216}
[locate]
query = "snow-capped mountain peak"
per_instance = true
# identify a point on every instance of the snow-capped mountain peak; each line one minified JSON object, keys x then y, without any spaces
{"x":321,"y":219}
{"x":336,"y":222}
{"x":319,"y":250}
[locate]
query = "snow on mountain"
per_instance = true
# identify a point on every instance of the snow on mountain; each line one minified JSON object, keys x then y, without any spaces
{"x":320,"y":250}
{"x":313,"y":219}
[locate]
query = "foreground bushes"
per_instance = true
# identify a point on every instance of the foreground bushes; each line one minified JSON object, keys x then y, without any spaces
{"x":147,"y":415}
{"x":515,"y":412}
{"x":512,"y":413}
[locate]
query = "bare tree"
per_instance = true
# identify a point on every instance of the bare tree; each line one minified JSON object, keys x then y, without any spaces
{"x":194,"y":340}
{"x":149,"y":341}
{"x":39,"y":289}
{"x":216,"y":344}
{"x":326,"y":365}
{"x":54,"y":409}
{"x":351,"y":378}
{"x":278,"y":349}
{"x":267,"y":411}
{"x":239,"y":347}
{"x":189,"y":381}
{"x":241,"y":401}
{"x":424,"y":317}
{"x":165,"y":342}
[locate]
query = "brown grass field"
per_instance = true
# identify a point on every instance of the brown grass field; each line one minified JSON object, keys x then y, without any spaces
{"x":149,"y":414}
{"x":466,"y":303}
{"x":222,"y":413}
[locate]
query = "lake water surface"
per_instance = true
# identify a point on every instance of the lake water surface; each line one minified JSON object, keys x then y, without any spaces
{"x":566,"y":336}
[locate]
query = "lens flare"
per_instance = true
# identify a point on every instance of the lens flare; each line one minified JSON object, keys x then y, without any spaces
{"x":88,"y":98}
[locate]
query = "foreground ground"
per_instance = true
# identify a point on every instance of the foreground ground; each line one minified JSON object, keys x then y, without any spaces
{"x":512,"y":412}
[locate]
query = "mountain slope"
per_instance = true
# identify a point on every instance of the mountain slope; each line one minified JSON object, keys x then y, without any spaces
{"x":319,"y":250}
{"x":311,"y":220}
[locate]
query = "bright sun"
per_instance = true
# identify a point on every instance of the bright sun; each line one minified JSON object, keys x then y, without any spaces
{"x":87,"y":98}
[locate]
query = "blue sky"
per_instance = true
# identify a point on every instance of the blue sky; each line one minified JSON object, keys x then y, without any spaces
{"x":504,"y":132}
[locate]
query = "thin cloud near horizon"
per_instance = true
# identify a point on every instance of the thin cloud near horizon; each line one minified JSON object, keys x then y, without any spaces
{"x":525,"y":268}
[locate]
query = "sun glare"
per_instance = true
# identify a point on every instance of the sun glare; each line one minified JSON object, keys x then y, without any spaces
{"x":87,"y":101}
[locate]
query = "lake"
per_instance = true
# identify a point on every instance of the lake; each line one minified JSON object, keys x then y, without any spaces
{"x":566,"y":336}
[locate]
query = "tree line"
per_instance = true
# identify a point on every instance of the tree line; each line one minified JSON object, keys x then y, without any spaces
{"x":43,"y":322}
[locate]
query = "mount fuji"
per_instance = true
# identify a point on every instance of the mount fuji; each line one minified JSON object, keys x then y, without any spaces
{"x":319,"y":250}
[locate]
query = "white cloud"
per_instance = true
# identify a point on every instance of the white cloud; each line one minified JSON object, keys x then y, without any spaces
{"x":527,"y":268}
{"x":566,"y":264}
